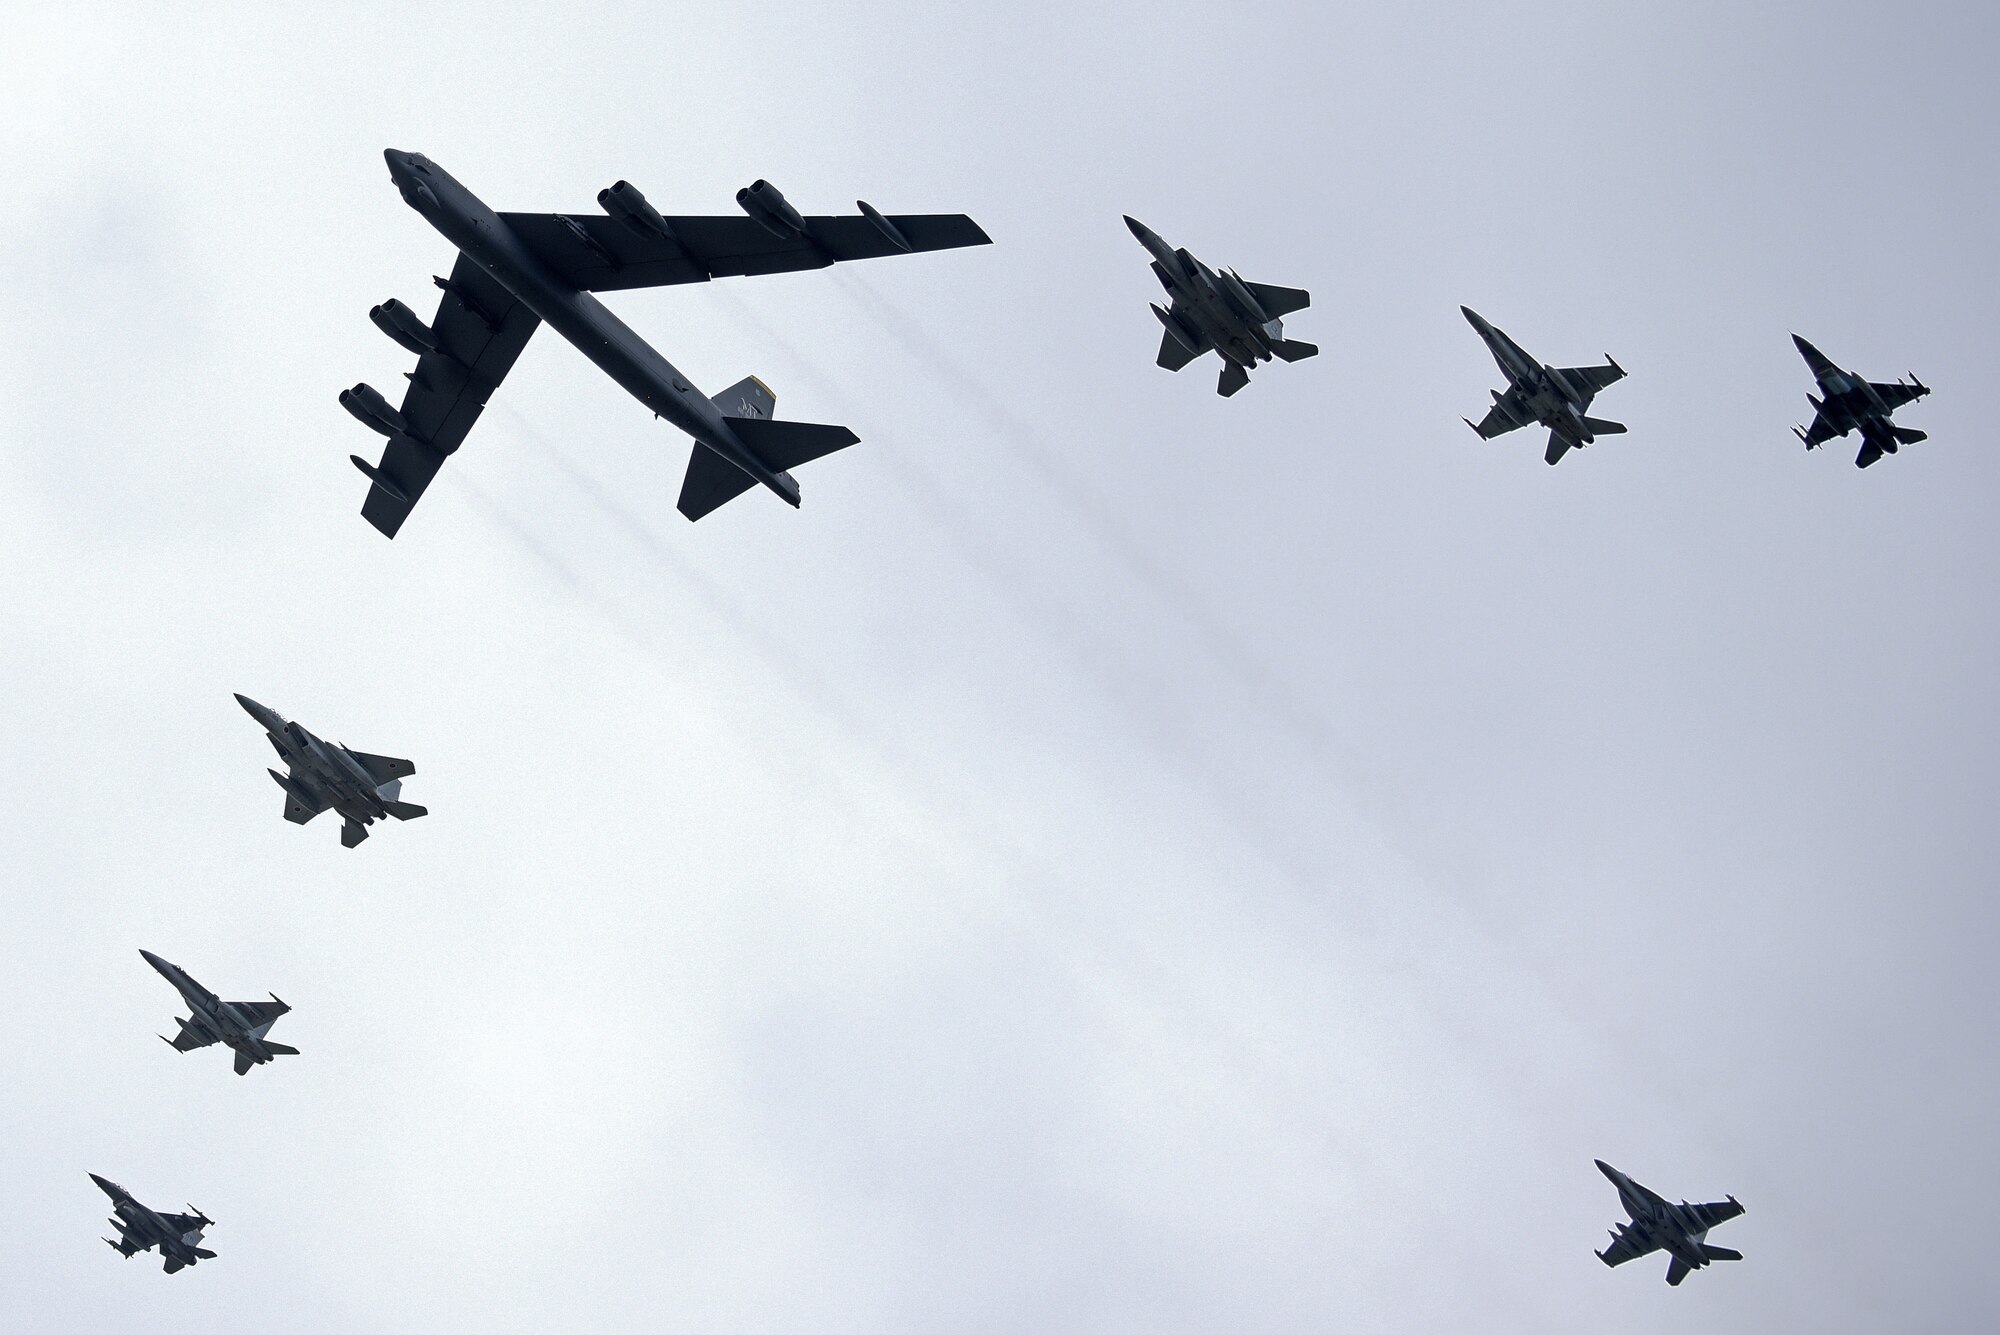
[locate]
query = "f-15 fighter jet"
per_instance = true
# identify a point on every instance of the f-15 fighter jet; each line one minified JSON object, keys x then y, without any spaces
{"x":361,"y":787}
{"x":1679,"y":1230}
{"x":1220,"y":313}
{"x":516,"y":270}
{"x":178,"y":1236}
{"x":1555,"y":398}
{"x":1853,"y":404}
{"x":240,"y":1024}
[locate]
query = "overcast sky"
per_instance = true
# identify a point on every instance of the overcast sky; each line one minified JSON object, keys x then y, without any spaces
{"x":1117,"y":859}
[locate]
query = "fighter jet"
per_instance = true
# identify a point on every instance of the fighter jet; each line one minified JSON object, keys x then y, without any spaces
{"x":1555,"y":398}
{"x":241,"y":1024}
{"x":361,"y":787}
{"x":1656,"y":1225}
{"x":178,"y":1236}
{"x":1852,"y":403}
{"x":1220,"y":313}
{"x":515,"y":270}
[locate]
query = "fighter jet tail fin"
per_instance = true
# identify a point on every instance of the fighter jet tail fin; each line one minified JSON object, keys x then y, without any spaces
{"x":352,"y":832}
{"x":1233,"y":378}
{"x":1558,"y":447}
{"x":1294,"y":350}
{"x":244,"y":1061}
{"x":405,"y":810}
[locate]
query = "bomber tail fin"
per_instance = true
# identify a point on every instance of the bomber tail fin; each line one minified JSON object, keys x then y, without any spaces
{"x":1294,"y":350}
{"x":748,"y":397}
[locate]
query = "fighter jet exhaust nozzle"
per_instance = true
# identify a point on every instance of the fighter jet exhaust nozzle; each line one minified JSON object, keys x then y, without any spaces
{"x":369,"y":408}
{"x":624,"y":202}
{"x":404,"y":326}
{"x":769,"y":210}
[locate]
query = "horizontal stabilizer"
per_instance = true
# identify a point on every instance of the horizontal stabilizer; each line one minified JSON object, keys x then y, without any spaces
{"x":1174,"y":354}
{"x":1597,"y":426}
{"x":280,"y":1049}
{"x":1558,"y":446}
{"x":1715,"y":1253}
{"x":1233,"y":378}
{"x":405,"y":810}
{"x":785,"y":445}
{"x":1294,"y":350}
{"x":352,"y":833}
{"x":711,"y":482}
{"x":244,"y":1061}
{"x":1908,"y":435}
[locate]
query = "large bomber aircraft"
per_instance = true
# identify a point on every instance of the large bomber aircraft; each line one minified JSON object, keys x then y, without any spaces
{"x":1557,"y":398}
{"x":242,"y":1025}
{"x":517,"y":270}
{"x":1680,"y":1230}
{"x":178,"y":1236}
{"x":1852,"y":404}
{"x":1239,"y":321}
{"x":363,"y":788}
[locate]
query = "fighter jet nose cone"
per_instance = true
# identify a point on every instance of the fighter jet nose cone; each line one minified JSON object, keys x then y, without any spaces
{"x":1471,"y":316}
{"x":1134,"y":226}
{"x":103,"y":1184}
{"x":1605,"y":1168}
{"x":150,"y":958}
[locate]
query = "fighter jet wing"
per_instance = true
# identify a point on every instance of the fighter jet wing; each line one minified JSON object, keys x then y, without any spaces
{"x":261,"y":1013}
{"x":1509,"y":412}
{"x":598,"y":253}
{"x":384,"y":768}
{"x":1591,"y":379}
{"x":1623,"y":1249}
{"x":1717,"y":1212}
{"x":1279,"y":301}
{"x":183,"y":1224}
{"x":188,"y":1041}
{"x":1897,"y":394}
{"x":480,"y":330}
{"x":1819,"y":433}
{"x":297,"y":812}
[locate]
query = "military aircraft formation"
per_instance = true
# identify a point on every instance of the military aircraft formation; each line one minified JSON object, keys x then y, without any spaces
{"x":517,"y":271}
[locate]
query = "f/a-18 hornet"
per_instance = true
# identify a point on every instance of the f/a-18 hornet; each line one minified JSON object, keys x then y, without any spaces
{"x":361,"y":787}
{"x":1220,"y":313}
{"x":517,"y":270}
{"x":1853,"y":404}
{"x":240,"y":1024}
{"x":1680,"y":1230}
{"x":178,"y":1236}
{"x":1558,"y":399}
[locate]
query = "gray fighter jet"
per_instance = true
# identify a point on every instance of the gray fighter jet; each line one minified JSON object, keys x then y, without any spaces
{"x":1656,"y":1225}
{"x":1853,"y":404}
{"x":516,"y":270}
{"x":178,"y":1236}
{"x":240,"y":1024}
{"x":361,"y":787}
{"x":1555,"y":398}
{"x":1220,"y":313}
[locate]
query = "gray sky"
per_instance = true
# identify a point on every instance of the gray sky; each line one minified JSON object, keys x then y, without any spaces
{"x":1116,"y":860}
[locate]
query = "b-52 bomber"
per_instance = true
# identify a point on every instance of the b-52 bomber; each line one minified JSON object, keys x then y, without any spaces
{"x":516,"y":270}
{"x":1558,"y":399}
{"x":178,"y":1236}
{"x":242,"y":1025}
{"x":1853,"y":404}
{"x":1220,"y":313}
{"x":361,"y":787}
{"x":1657,"y":1225}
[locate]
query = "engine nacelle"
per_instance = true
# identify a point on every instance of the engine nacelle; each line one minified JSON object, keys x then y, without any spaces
{"x":769,"y":210}
{"x":624,"y":202}
{"x":372,"y":410}
{"x":400,"y":323}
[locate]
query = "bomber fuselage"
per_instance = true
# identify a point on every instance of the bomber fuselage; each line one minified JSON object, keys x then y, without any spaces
{"x":486,"y":239}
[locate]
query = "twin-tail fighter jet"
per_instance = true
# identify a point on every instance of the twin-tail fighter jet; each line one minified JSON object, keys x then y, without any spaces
{"x":1854,"y":404}
{"x":1680,"y":1230}
{"x":1558,"y":399}
{"x":242,"y":1025}
{"x":361,"y":787}
{"x":1221,"y":313}
{"x":178,"y":1236}
{"x":517,"y":270}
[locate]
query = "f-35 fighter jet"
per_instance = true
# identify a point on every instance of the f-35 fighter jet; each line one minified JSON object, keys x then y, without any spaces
{"x":1220,"y":313}
{"x":516,"y":270}
{"x":1555,"y":398}
{"x":178,"y":1236}
{"x":1852,"y":404}
{"x":361,"y":787}
{"x":240,"y":1024}
{"x":1679,"y":1230}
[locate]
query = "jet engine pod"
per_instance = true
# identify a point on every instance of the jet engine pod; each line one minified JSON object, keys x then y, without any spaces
{"x":768,"y":208}
{"x":624,"y":202}
{"x":372,"y":410}
{"x":400,"y":323}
